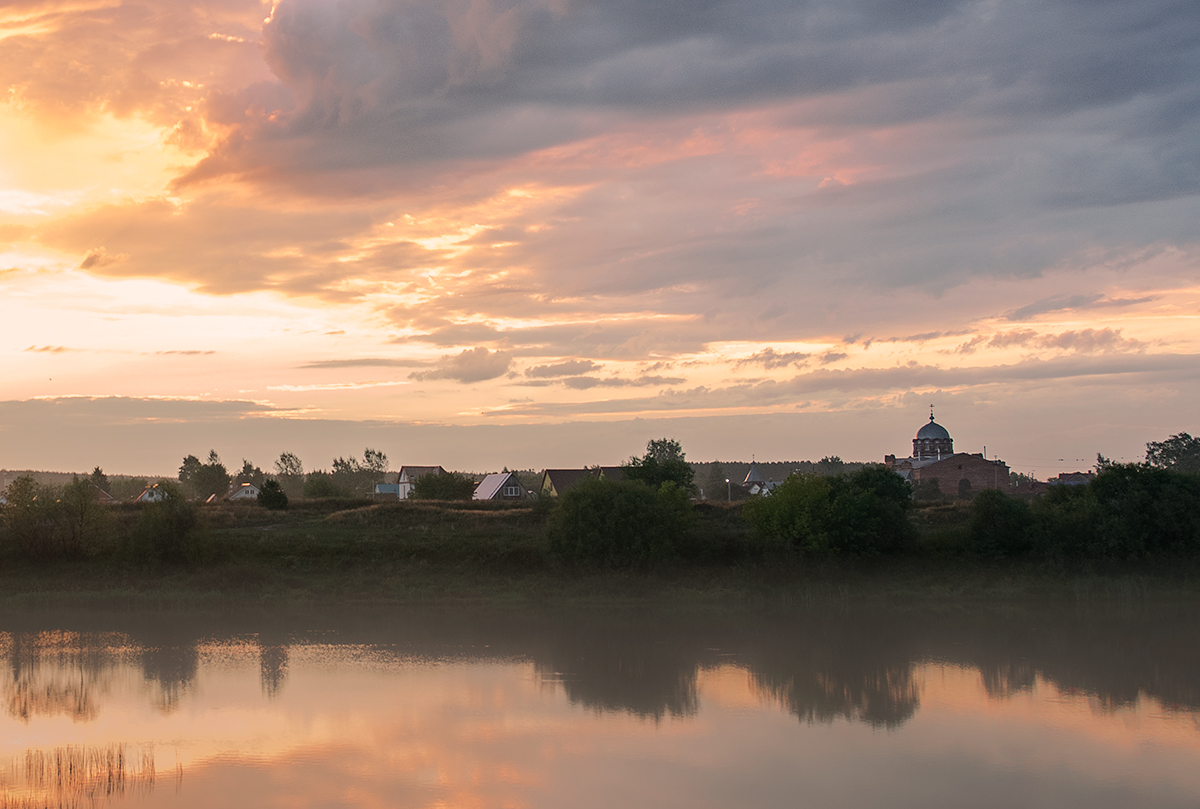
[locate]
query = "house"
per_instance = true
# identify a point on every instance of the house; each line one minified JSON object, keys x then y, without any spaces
{"x":244,"y":491}
{"x":557,"y":482}
{"x":409,"y":475}
{"x":1072,"y":479}
{"x":612,"y":473}
{"x":501,"y":486}
{"x":387,"y":491}
{"x":154,"y":493}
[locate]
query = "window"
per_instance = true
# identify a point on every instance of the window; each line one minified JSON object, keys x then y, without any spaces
{"x":512,"y":491}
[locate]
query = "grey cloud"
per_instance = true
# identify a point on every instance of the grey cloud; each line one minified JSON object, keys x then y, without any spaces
{"x":472,"y":365}
{"x":1172,"y":368}
{"x":390,"y":83}
{"x":51,"y":349}
{"x":769,"y":358}
{"x":364,"y":362}
{"x":568,"y":368}
{"x":1084,"y":341}
{"x":1066,"y":303}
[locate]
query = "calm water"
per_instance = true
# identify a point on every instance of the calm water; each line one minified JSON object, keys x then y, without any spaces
{"x":454,"y":709}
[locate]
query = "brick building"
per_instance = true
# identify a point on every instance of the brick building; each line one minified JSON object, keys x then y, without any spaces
{"x":934,"y":459}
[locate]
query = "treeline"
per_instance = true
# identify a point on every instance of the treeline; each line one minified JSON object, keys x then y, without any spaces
{"x":347,"y":477}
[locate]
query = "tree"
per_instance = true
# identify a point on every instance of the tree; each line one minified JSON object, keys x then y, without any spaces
{"x":1179,"y":453}
{"x":289,"y":465}
{"x":443,"y":486}
{"x":27,"y":517}
{"x":620,"y":524}
{"x":830,"y":465}
{"x":272,"y":496}
{"x":360,"y":477}
{"x":858,"y":514}
{"x":202,"y":480}
{"x":83,"y":521}
{"x":320,"y":485}
{"x":290,"y":474}
{"x":250,"y":474}
{"x":99,"y":479}
{"x":663,"y":462}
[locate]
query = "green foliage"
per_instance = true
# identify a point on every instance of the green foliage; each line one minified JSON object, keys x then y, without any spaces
{"x":29,"y":518}
{"x":271,"y":495}
{"x":99,"y":479}
{"x":359,"y":477}
{"x":1000,"y":525}
{"x":928,"y":491}
{"x":202,"y":480}
{"x":443,"y":486}
{"x":620,"y":524}
{"x":84,"y":523}
{"x":663,"y":462}
{"x":320,"y":485}
{"x":830,"y":465}
{"x":290,"y":474}
{"x":249,"y":473}
{"x":858,"y":514}
{"x":1180,"y":453}
{"x":127,"y":488}
{"x":167,"y":531}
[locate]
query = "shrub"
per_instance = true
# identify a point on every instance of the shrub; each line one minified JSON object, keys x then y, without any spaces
{"x":168,"y":530}
{"x":1000,"y":525}
{"x":443,"y":486}
{"x":619,"y":524}
{"x":272,"y":495}
{"x":858,"y":514}
{"x":320,"y":485}
{"x":29,"y":517}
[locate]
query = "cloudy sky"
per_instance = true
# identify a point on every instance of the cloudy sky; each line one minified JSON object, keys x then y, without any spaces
{"x":539,"y":232}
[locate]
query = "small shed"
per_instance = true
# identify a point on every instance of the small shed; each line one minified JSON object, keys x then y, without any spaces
{"x":501,"y":486}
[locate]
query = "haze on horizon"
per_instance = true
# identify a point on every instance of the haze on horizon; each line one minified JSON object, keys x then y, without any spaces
{"x":539,"y":232}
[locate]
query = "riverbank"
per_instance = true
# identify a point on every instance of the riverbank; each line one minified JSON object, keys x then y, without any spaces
{"x":355,"y":552}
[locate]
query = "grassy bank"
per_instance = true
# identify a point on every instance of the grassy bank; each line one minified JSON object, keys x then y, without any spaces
{"x":349,"y":552}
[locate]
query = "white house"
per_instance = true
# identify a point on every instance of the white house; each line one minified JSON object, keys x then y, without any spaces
{"x":409,"y":474}
{"x":501,"y":486}
{"x":246,"y":491}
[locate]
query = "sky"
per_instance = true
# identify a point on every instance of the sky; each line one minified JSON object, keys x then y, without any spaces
{"x":534,"y":233}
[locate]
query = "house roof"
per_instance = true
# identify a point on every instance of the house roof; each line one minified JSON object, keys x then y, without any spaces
{"x":562,"y":480}
{"x":490,"y":485}
{"x":411,"y":473}
{"x":613,"y":473}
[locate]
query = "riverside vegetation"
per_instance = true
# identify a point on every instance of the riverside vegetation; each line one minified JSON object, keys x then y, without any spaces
{"x":602,"y":535}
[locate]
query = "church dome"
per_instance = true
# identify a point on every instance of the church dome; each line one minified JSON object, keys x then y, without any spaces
{"x":933,"y":441}
{"x":933,"y":430}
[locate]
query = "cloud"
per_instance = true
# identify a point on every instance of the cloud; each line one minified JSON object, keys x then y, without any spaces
{"x":364,"y":362}
{"x":1066,"y":303}
{"x":771,"y":359}
{"x":51,"y":349}
{"x":1084,"y":341}
{"x":568,"y":368}
{"x":472,"y":365}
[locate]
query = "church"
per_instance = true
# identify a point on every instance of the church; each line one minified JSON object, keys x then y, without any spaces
{"x":934,"y":460}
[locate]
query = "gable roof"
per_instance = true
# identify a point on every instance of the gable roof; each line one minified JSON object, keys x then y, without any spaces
{"x":492,"y":485}
{"x":613,"y":473}
{"x":559,"y":481}
{"x":411,"y":473}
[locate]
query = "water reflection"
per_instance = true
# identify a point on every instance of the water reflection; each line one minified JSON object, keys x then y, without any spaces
{"x":64,"y":777}
{"x":430,"y":706}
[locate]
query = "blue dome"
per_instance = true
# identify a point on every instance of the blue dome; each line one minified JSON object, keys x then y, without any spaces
{"x":933,"y":430}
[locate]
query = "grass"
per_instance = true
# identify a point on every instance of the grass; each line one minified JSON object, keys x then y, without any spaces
{"x":356,"y":552}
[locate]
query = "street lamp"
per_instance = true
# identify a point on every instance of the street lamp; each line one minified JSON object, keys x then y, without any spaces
{"x":728,"y":491}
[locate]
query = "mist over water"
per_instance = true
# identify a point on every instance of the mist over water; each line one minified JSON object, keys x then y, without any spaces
{"x":454,"y":707}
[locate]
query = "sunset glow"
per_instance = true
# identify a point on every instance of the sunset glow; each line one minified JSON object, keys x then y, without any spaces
{"x":496,"y":234}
